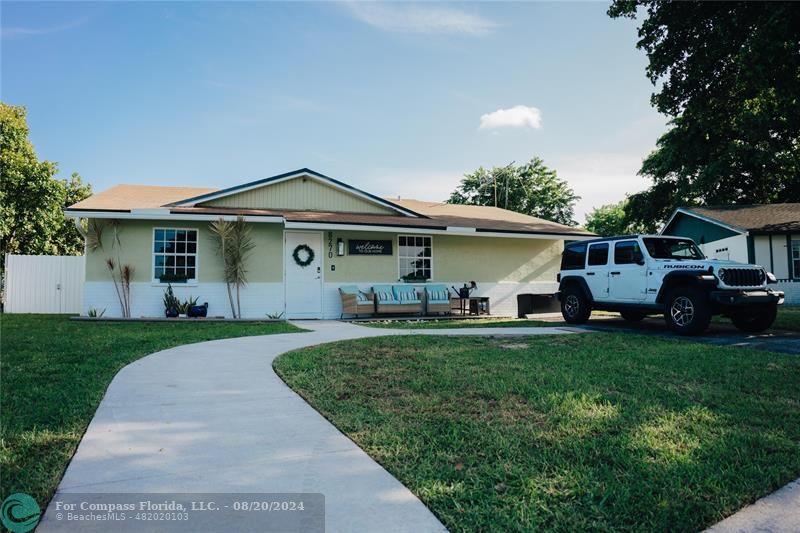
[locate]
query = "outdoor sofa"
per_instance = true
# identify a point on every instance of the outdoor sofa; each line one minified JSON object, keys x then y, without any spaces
{"x":355,"y":301}
{"x":395,"y":299}
{"x":437,"y":299}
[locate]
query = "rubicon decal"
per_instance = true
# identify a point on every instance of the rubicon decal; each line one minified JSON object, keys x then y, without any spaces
{"x":683,"y":267}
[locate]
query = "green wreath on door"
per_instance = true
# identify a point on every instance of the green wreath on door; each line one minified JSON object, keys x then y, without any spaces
{"x":309,"y":255}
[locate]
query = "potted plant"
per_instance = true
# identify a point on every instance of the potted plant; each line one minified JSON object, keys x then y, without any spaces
{"x":171,"y":303}
{"x":198,"y":311}
{"x":186,"y":306}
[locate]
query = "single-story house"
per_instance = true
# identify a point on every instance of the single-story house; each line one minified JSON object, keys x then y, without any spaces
{"x":767,"y":235}
{"x":355,"y":238}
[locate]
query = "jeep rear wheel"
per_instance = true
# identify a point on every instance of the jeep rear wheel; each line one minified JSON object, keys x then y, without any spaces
{"x":687,"y":311}
{"x":632,"y":316}
{"x":756,"y":320}
{"x":575,"y":307}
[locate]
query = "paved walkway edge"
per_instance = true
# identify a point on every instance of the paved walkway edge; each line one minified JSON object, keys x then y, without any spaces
{"x":778,"y":512}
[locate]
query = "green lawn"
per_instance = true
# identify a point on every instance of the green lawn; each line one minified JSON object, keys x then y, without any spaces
{"x":54,"y":372}
{"x":606,"y":431}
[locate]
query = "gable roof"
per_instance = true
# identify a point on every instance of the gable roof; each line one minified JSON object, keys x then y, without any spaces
{"x":303,"y":172}
{"x":744,"y":218}
{"x":157,"y":202}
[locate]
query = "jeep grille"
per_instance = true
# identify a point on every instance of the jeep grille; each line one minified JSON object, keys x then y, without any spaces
{"x":743,"y":277}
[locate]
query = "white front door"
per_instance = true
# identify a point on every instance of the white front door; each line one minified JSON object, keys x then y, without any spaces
{"x":303,"y":282}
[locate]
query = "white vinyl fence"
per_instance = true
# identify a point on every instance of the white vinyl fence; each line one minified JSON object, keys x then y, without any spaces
{"x":44,"y":283}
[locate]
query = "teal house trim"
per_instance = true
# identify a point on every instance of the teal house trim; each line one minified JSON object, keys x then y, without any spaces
{"x":683,"y":224}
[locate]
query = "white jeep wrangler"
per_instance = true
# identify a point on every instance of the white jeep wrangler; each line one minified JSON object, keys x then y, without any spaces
{"x":640,"y":275}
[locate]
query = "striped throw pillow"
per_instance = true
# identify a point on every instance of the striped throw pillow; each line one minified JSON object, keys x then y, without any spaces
{"x":405,"y":296}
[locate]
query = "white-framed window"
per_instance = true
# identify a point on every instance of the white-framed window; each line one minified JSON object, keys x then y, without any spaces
{"x":795,"y":259}
{"x":174,"y":255}
{"x":415,"y":257}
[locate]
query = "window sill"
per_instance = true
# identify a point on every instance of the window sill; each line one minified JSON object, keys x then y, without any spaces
{"x":189,"y":283}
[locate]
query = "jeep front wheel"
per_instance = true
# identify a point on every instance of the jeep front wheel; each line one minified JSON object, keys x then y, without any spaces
{"x":575,"y":307}
{"x":687,"y":311}
{"x":756,"y":320}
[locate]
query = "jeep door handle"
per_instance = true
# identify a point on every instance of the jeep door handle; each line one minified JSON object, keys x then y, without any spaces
{"x":616,"y":273}
{"x":590,"y":273}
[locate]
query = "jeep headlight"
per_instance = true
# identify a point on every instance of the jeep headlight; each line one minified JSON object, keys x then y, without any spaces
{"x":771,"y":278}
{"x":721,"y":274}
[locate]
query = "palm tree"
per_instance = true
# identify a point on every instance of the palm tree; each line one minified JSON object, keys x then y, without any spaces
{"x":234,"y":244}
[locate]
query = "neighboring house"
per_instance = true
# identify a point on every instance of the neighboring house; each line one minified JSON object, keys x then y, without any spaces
{"x":356,"y":238}
{"x":767,"y":235}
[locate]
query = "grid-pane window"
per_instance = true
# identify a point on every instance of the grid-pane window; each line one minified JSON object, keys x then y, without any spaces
{"x":796,"y":259}
{"x":415,"y":255}
{"x":175,"y":255}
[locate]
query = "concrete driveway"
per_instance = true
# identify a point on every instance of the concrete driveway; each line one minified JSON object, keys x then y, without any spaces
{"x":214,"y":417}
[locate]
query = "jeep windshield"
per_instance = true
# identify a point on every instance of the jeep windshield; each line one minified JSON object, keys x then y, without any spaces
{"x":672,"y":249}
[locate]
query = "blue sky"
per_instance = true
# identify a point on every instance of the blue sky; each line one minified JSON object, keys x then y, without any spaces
{"x":398,"y":99}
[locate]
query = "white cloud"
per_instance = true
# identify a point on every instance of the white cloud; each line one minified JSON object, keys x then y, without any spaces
{"x":519,"y":116}
{"x":414,"y":18}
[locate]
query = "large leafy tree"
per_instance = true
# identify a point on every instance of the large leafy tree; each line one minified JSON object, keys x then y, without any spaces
{"x":611,"y":219}
{"x":32,"y":200}
{"x":728,"y":76}
{"x":531,"y":188}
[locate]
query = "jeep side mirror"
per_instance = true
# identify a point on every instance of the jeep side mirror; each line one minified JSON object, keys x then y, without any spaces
{"x":640,"y":261}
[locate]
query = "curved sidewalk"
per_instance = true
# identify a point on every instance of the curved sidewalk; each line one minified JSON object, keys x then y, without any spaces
{"x":214,"y":417}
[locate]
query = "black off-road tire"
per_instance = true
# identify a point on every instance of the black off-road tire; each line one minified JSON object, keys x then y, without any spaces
{"x":756,"y":320}
{"x":575,"y":307}
{"x":687,"y":311}
{"x":632,"y":316}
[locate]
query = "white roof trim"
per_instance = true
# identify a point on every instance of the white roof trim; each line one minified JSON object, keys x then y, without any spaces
{"x":157,"y":214}
{"x":698,"y":216}
{"x":429,"y":231}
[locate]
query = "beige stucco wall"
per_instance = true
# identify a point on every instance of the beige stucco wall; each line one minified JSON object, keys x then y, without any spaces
{"x":265,"y":263}
{"x":299,"y":193}
{"x":455,"y":258}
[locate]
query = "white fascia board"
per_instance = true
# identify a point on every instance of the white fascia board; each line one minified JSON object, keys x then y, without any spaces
{"x":156,"y":214}
{"x":427,"y":231}
{"x":460,"y":229}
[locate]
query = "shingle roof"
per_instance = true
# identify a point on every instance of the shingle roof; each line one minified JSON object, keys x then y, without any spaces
{"x":435,"y":215}
{"x":768,"y":217}
{"x":475,"y":216}
{"x":127,"y":197}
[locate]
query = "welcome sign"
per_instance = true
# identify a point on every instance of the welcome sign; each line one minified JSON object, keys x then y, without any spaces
{"x":363,"y":247}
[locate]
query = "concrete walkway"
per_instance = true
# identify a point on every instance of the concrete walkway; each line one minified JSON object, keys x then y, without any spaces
{"x":777,"y":513}
{"x":213,"y":417}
